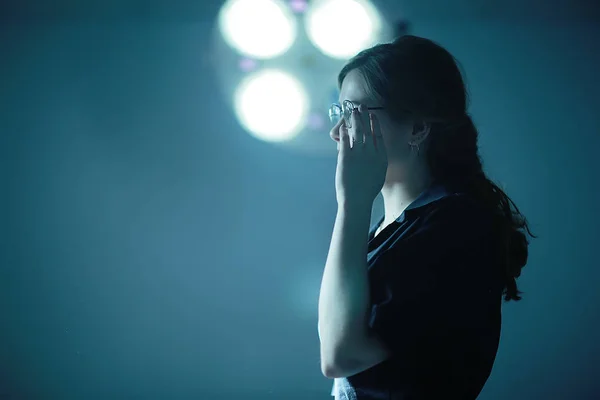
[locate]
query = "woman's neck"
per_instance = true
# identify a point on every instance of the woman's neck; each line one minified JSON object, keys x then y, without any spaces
{"x":397,"y":195}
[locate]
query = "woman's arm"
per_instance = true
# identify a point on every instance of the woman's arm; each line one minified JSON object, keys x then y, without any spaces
{"x":347,"y":346}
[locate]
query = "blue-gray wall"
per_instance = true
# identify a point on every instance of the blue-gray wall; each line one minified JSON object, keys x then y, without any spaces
{"x":150,"y":248}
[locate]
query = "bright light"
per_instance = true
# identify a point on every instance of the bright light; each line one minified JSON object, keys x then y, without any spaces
{"x":342,"y":28}
{"x":258,"y":28}
{"x":272,"y":105}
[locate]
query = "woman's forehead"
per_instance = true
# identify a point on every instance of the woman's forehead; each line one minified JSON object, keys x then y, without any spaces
{"x":354,"y":88}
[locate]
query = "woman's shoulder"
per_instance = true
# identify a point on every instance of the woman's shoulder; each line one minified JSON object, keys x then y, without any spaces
{"x":458,"y":208}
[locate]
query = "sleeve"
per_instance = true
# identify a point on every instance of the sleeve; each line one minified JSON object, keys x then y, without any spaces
{"x":426,"y":281}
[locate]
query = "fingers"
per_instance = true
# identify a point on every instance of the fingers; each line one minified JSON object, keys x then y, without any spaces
{"x":355,"y":128}
{"x":344,"y":139}
{"x":359,"y":131}
{"x":365,"y":130}
{"x":364,"y":122}
{"x":376,"y":131}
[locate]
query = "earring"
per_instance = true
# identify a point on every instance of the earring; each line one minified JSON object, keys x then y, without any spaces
{"x":413,"y":145}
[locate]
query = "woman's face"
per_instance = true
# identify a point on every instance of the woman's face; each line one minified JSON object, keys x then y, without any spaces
{"x":396,"y":136}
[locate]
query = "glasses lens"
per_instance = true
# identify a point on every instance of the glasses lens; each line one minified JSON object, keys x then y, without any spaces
{"x":348,"y":107}
{"x":335,"y":113}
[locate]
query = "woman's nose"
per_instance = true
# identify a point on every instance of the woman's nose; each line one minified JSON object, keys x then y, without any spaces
{"x":335,"y":131}
{"x":335,"y":135}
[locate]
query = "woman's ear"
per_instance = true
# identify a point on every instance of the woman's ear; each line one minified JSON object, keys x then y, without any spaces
{"x":420,"y":132}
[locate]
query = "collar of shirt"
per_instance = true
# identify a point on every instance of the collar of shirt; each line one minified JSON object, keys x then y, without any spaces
{"x":428,"y":196}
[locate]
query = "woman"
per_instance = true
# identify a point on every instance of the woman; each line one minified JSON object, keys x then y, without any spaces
{"x":410,"y":308}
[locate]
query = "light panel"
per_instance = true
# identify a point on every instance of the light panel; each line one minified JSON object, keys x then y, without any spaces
{"x":258,"y":28}
{"x":342,"y":28}
{"x":272,"y":105}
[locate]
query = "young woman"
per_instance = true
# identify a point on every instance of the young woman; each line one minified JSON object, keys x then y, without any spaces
{"x":411,"y":307}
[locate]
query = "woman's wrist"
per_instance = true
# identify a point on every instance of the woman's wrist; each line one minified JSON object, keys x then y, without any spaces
{"x":355,"y":206}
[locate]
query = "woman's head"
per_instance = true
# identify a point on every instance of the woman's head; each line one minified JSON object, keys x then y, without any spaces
{"x":396,"y":132}
{"x":425,"y":123}
{"x":421,"y":89}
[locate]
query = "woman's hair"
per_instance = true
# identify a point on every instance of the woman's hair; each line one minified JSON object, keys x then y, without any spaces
{"x":417,"y":76}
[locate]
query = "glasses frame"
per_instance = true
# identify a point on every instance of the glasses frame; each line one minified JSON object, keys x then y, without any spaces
{"x":347,"y":105}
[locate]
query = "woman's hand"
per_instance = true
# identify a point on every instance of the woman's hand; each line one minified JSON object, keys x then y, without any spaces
{"x":362,"y":160}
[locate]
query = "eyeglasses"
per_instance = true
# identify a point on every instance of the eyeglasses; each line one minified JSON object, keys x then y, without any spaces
{"x":345,"y":111}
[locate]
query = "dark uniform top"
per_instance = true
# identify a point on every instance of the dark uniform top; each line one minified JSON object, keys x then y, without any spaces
{"x":436,"y":290}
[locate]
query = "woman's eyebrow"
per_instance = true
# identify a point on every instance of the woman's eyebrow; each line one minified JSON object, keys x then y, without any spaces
{"x":357,"y":101}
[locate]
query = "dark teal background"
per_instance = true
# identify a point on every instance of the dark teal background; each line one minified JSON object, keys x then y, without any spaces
{"x":151,"y":249}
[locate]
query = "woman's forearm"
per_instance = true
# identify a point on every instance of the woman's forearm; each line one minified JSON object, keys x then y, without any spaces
{"x":344,"y":296}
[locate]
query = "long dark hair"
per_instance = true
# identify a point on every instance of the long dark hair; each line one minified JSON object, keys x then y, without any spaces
{"x":418,"y":75}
